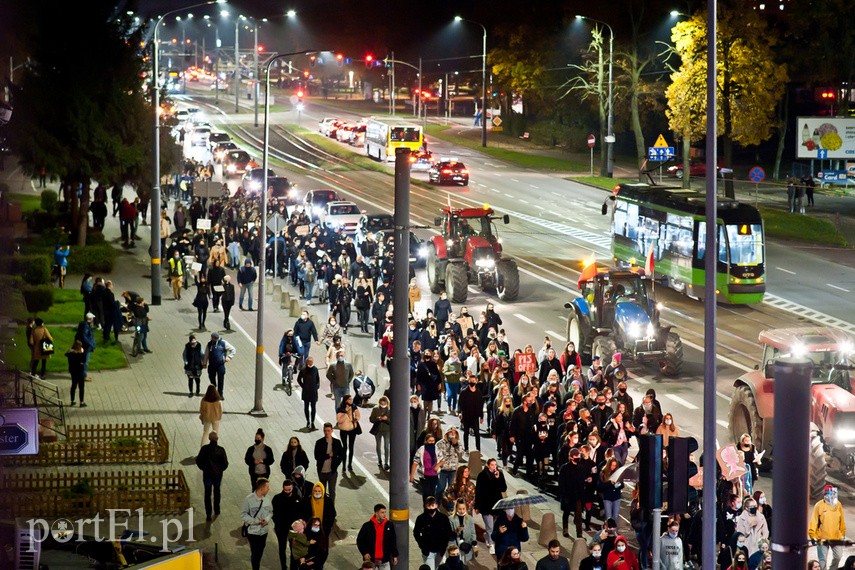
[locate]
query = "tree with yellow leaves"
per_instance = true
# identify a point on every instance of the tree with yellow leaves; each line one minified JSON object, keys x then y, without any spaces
{"x":749,"y":81}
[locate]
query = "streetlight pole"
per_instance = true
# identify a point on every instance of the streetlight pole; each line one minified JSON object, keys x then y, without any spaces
{"x":155,"y":249}
{"x":610,"y":136}
{"x":237,"y":62}
{"x":483,"y":78}
{"x":255,"y":79}
{"x":258,"y":401}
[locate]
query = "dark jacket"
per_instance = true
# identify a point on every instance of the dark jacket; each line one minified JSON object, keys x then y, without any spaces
{"x":432,"y":532}
{"x":193,"y":357}
{"x":591,"y":563}
{"x":228,"y":298}
{"x":321,"y":453}
{"x":212,"y":460}
{"x":571,"y":482}
{"x":288,"y":508}
{"x":86,"y":335}
{"x":488,"y":491}
{"x":367,"y":538}
{"x":289,"y":461}
{"x":514,"y":535}
{"x":471,"y":406}
{"x":305,"y":330}
{"x":246,"y":275}
{"x":427,"y":376}
{"x":310,"y":383}
{"x":268,"y":460}
{"x":522,"y":425}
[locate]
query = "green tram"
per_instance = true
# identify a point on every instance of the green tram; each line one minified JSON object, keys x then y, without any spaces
{"x":672,"y":221}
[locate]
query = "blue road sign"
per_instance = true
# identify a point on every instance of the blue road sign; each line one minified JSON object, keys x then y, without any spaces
{"x":822,"y":154}
{"x":660,"y":154}
{"x":757,"y":174}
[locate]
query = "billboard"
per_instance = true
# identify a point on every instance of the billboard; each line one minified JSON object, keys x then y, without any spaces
{"x":825,"y":137}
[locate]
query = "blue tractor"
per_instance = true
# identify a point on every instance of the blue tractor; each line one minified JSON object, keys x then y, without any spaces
{"x":617,"y":314}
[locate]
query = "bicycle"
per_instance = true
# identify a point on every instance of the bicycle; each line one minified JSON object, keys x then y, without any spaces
{"x":287,"y":364}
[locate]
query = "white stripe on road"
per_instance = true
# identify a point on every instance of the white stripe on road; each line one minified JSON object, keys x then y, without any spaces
{"x":643,"y":380}
{"x":722,"y":395}
{"x":838,"y":288}
{"x":722,"y":423}
{"x":524,"y":318}
{"x":533,"y":186}
{"x":785,"y":270}
{"x":523,"y":201}
{"x":494,"y":190}
{"x":560,"y":337}
{"x":514,"y":179}
{"x":509,"y":195}
{"x":681,"y":401}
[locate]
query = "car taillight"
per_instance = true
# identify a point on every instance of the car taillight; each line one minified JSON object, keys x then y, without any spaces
{"x":464,"y":171}
{"x":412,"y":159}
{"x":446,"y":171}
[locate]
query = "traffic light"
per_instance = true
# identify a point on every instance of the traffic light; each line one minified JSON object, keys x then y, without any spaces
{"x":306,"y":73}
{"x":679,"y":449}
{"x":650,"y":471}
{"x":369,"y":61}
{"x":340,"y":59}
{"x":312,"y":60}
{"x":299,"y":95}
{"x":260,"y":48}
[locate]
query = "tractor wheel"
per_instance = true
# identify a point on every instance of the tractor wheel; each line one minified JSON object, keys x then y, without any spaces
{"x":604,"y":347}
{"x":578,"y":336}
{"x":508,"y":282}
{"x":672,"y":363}
{"x":818,"y":468}
{"x":745,"y":417}
{"x":456,"y":282}
{"x":433,"y":271}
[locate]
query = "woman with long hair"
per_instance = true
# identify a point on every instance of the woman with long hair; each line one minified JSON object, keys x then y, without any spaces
{"x":667,"y":429}
{"x":76,"y":359}
{"x":463,"y":489}
{"x":510,"y":560}
{"x":39,"y":338}
{"x":293,"y":456}
{"x":610,"y":491}
{"x":381,"y":420}
{"x":347,"y":421}
{"x":319,"y":544}
{"x":210,"y":412}
{"x":200,"y":301}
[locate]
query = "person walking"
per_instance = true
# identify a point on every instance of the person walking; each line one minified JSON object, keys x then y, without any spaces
{"x":287,"y":507}
{"x":212,"y":461}
{"x":381,"y":429}
{"x":256,"y":514}
{"x":471,"y":413}
{"x":293,"y":456}
{"x":216,"y":275}
{"x":228,"y":300}
{"x":200,"y":301}
{"x":41,"y":348}
{"x":340,"y":376}
{"x":305,"y":332}
{"x":489,"y":487}
{"x":217,"y":353}
{"x":86,"y":335}
{"x":432,"y":533}
{"x":193,"y":358}
{"x":76,"y":358}
{"x":553,"y":559}
{"x":610,"y":491}
{"x":827,"y":524}
{"x":452,"y":455}
{"x":509,"y":531}
{"x":427,"y":462}
{"x":376,"y":540}
{"x":671,"y":547}
{"x":210,"y":412}
{"x":176,"y":274}
{"x":258,"y":458}
{"x":246,"y":278}
{"x":310,"y":384}
{"x":572,"y":479}
{"x":347,"y":421}
{"x":329,"y":454}
{"x":428,"y":380}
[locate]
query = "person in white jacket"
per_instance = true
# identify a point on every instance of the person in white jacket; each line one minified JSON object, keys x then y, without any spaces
{"x":671,"y":547}
{"x":753,"y":525}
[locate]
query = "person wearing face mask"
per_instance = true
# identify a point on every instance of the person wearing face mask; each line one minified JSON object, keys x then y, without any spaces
{"x":726,"y":528}
{"x":417,"y":422}
{"x":376,"y":540}
{"x":572,"y":479}
{"x":340,"y":376}
{"x":622,"y":557}
{"x":646,"y":418}
{"x":287,"y":508}
{"x":258,"y":458}
{"x":452,"y":371}
{"x":192,"y":364}
{"x":347,"y":421}
{"x":321,"y":506}
{"x":462,"y":525}
{"x":471,"y":413}
{"x":752,"y":525}
{"x":764,"y":507}
{"x":428,"y":381}
{"x":318,"y":545}
{"x":671,"y":547}
{"x":509,"y":531}
{"x":305,"y":331}
{"x":452,"y":452}
{"x":594,"y":561}
{"x":740,"y":562}
{"x":502,"y":429}
{"x":310,"y":383}
{"x":827,"y":524}
{"x":623,"y":397}
{"x":522,"y":434}
{"x":432,"y":533}
{"x":763,"y":546}
{"x":381,"y":428}
{"x":752,"y":459}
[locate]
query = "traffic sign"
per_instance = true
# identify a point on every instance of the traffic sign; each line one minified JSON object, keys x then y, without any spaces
{"x":19,"y":431}
{"x":13,"y":438}
{"x":822,"y":154}
{"x":660,"y":154}
{"x":497,"y":121}
{"x":757,"y":174}
{"x":660,"y":143}
{"x":592,"y":140}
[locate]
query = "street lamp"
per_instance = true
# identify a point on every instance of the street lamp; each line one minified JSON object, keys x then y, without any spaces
{"x":610,"y":136}
{"x":483,"y":78}
{"x":155,"y":249}
{"x":258,"y":403}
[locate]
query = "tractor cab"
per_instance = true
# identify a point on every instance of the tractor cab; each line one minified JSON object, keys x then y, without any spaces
{"x":608,"y":290}
{"x":829,"y":350}
{"x":460,"y":225}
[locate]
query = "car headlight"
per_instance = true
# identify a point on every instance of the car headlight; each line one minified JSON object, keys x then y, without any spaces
{"x":292,"y":193}
{"x":844,"y":434}
{"x":798,"y":350}
{"x":423,"y":252}
{"x":634,"y":330}
{"x":231,"y":168}
{"x":254,"y":185}
{"x":485,"y":263}
{"x":651,"y":330}
{"x":449,"y":242}
{"x":317,"y":210}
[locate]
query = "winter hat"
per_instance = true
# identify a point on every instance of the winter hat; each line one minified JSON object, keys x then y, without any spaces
{"x":616,"y":357}
{"x":215,"y":335}
{"x":299,"y":470}
{"x":247,"y":261}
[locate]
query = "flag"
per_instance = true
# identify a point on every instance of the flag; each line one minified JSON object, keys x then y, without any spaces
{"x":589,"y":272}
{"x":648,"y":263}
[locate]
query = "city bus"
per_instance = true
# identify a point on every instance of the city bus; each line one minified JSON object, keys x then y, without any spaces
{"x":383,"y":137}
{"x":671,"y":222}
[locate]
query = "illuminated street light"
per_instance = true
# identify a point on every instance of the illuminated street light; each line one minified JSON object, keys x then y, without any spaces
{"x":483,"y":78}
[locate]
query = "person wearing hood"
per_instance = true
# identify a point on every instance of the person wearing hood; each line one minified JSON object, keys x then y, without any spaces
{"x":752,"y":525}
{"x":302,"y":486}
{"x":509,"y":530}
{"x":671,"y":549}
{"x":322,"y":507}
{"x":432,"y":533}
{"x":827,"y":523}
{"x":622,"y":557}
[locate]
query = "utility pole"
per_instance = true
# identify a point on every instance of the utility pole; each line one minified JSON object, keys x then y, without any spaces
{"x":392,"y":92}
{"x":237,"y":64}
{"x":217,"y":66}
{"x":421,"y":96}
{"x":399,"y":496}
{"x":255,"y":79}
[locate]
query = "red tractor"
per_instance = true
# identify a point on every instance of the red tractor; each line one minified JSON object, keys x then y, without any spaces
{"x":468,"y":251}
{"x":832,"y":400}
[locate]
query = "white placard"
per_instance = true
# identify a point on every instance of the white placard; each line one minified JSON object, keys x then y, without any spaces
{"x":203,"y":224}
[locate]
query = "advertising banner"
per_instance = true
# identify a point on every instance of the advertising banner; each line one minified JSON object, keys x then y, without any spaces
{"x":825,"y":137}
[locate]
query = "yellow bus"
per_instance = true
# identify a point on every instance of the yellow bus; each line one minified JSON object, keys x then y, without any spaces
{"x":383,"y":137}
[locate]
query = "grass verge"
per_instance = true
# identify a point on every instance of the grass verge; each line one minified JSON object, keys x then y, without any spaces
{"x":67,"y":307}
{"x":522,"y":159}
{"x":601,"y":181}
{"x":799,"y":227}
{"x":29,"y":202}
{"x":107,"y":356}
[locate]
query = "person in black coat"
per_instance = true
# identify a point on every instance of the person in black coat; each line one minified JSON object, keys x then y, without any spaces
{"x":442,"y":310}
{"x":111,"y":313}
{"x":216,"y":276}
{"x":287,"y":507}
{"x":596,"y":560}
{"x":432,"y":532}
{"x":471,"y":405}
{"x":212,"y":461}
{"x":366,"y":540}
{"x":522,"y":434}
{"x":489,"y":486}
{"x":192,"y":364}
{"x":572,"y":479}
{"x":329,"y":454}
{"x":428,"y":380}
{"x":258,"y":458}
{"x":228,"y":300}
{"x":293,"y":456}
{"x":310,"y":383}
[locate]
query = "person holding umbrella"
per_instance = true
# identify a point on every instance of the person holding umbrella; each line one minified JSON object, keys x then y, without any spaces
{"x":509,"y":531}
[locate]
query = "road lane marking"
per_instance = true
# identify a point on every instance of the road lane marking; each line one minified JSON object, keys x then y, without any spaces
{"x":533,"y":186}
{"x":562,"y":338}
{"x":556,"y":194}
{"x":785,"y":270}
{"x":494,"y":190}
{"x":509,"y":195}
{"x":514,"y":179}
{"x":722,"y":395}
{"x":838,"y":288}
{"x":482,"y":185}
{"x":681,"y":401}
{"x":523,"y":201}
{"x":722,"y":423}
{"x":524,"y":318}
{"x":642,"y":380}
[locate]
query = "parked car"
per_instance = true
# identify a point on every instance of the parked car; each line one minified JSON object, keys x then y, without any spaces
{"x":696,"y":169}
{"x":341,"y":215}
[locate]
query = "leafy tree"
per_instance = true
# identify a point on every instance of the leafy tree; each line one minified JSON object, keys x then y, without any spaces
{"x":749,"y":82}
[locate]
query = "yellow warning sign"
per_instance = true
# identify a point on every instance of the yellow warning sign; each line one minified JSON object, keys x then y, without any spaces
{"x":660,"y":142}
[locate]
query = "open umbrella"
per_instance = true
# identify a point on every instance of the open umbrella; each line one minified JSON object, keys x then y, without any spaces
{"x":625,"y":473}
{"x":518,"y":501}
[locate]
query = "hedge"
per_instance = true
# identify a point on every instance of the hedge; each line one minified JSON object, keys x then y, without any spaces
{"x":34,"y":268}
{"x":49,"y":200}
{"x":13,"y":305}
{"x":95,"y":259}
{"x":39,"y":298}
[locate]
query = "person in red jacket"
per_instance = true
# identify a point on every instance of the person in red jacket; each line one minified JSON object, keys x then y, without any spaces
{"x":622,"y":557}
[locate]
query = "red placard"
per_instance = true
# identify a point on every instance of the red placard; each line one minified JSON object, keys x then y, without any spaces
{"x":526,"y":362}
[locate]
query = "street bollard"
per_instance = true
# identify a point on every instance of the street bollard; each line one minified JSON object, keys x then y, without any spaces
{"x":548,"y":530}
{"x":295,"y":308}
{"x":285,"y":302}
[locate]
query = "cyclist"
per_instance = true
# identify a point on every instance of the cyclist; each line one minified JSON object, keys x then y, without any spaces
{"x":287,"y":348}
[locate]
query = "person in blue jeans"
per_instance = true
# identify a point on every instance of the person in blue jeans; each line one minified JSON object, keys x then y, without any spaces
{"x":60,"y":263}
{"x":86,"y":336}
{"x":217,"y":353}
{"x":304,"y":333}
{"x":246,"y":278}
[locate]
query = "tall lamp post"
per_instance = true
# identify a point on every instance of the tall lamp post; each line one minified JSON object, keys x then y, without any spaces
{"x":155,"y":249}
{"x":610,"y":136}
{"x":258,"y":401}
{"x":483,"y":78}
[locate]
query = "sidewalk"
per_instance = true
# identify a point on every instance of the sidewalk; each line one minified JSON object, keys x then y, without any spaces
{"x":153,"y":389}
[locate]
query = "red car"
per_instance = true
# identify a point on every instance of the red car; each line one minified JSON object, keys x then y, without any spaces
{"x":696,"y":170}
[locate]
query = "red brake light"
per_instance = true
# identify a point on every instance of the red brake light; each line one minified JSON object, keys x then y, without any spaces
{"x":464,"y":171}
{"x":446,"y":171}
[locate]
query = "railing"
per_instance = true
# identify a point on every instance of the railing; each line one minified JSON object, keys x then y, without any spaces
{"x":22,"y":390}
{"x":67,"y":494}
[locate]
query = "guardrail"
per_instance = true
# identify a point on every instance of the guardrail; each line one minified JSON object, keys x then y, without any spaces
{"x":19,"y":389}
